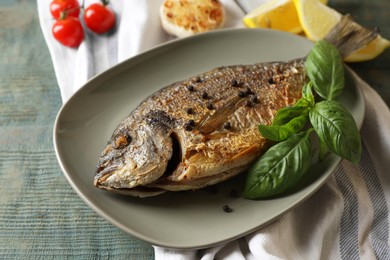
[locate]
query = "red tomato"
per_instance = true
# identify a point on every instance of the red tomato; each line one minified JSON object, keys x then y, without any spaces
{"x":99,"y":18}
{"x":68,"y":31}
{"x":70,"y":7}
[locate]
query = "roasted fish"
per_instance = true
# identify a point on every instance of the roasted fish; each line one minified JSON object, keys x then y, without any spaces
{"x":204,"y":130}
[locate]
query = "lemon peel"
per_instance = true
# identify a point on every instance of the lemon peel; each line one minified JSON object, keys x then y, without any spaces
{"x":371,"y":51}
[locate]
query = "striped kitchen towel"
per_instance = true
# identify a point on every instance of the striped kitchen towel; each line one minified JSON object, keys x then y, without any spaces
{"x":348,"y":218}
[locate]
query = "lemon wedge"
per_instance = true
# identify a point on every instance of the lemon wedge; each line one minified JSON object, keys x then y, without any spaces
{"x":371,"y":51}
{"x":275,"y":14}
{"x":316,"y":18}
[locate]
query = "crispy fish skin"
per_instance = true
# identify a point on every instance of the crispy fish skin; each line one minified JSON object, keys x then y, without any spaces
{"x":199,"y":131}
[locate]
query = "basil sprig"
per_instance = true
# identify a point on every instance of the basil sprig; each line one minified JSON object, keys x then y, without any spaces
{"x":280,"y":168}
{"x":284,"y":164}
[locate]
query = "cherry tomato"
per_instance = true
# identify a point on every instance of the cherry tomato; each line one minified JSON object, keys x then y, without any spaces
{"x":70,"y":7}
{"x":99,"y":18}
{"x":68,"y":31}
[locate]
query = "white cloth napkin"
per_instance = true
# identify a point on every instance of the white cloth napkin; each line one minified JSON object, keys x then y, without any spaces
{"x":348,"y":218}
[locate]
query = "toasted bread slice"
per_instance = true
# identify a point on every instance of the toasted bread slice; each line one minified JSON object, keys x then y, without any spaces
{"x":187,"y":17}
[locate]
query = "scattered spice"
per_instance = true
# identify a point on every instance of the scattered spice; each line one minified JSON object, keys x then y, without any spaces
{"x":198,"y":80}
{"x":189,"y":111}
{"x":205,"y":95}
{"x":235,"y":83}
{"x":271,"y":80}
{"x":248,"y":91}
{"x":242,"y":94}
{"x":188,"y":126}
{"x":210,"y":106}
{"x":227,"y":209}
{"x":254,"y":99}
{"x":248,"y":103}
{"x":191,"y":122}
{"x":190,"y":88}
{"x":227,"y":125}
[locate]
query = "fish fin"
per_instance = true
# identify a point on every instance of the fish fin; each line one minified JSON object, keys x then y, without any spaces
{"x":211,"y":122}
{"x":349,"y":36}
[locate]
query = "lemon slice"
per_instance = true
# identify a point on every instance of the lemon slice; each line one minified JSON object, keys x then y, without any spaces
{"x":316,"y":18}
{"x":369,"y":52}
{"x":275,"y":14}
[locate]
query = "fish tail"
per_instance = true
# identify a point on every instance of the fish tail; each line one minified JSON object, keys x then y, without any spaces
{"x":348,"y":36}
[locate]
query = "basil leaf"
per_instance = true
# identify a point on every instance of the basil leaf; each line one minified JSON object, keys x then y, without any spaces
{"x":280,"y":168}
{"x":307,"y":94}
{"x":284,"y":115}
{"x":282,"y":132}
{"x":337,"y":129}
{"x":324,"y":66}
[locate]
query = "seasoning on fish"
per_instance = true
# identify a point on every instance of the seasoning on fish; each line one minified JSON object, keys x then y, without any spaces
{"x":190,"y":88}
{"x":210,"y":106}
{"x":254,"y":99}
{"x":189,"y":111}
{"x":167,"y":151}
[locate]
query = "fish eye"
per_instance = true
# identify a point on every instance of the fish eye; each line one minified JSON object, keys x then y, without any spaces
{"x":121,"y":140}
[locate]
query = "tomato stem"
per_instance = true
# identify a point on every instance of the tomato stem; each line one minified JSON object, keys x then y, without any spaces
{"x":64,"y":14}
{"x":105,"y":2}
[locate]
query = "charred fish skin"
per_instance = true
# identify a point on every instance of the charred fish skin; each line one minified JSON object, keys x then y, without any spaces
{"x":199,"y":131}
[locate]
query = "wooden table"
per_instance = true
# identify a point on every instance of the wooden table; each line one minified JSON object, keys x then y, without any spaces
{"x":40,"y":214}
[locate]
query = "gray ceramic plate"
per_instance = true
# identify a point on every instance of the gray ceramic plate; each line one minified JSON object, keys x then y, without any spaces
{"x":177,"y":220}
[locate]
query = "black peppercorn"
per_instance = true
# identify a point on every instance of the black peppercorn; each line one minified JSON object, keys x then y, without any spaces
{"x":189,"y":111}
{"x":210,"y":106}
{"x":191,"y":122}
{"x":254,"y":99}
{"x":234,"y":83}
{"x":188,"y":127}
{"x":227,"y":209}
{"x":227,"y":125}
{"x":242,"y":94}
{"x":190,"y":88}
{"x":248,"y":91}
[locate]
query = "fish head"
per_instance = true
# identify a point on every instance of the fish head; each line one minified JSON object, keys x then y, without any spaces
{"x":137,"y":153}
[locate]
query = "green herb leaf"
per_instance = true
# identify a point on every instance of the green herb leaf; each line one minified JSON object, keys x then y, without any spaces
{"x":286,"y":114}
{"x":280,"y":168}
{"x":325,"y":68}
{"x":337,"y":129}
{"x":307,"y":94}
{"x":282,"y":132}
